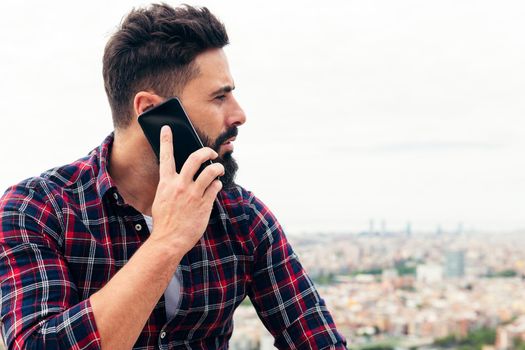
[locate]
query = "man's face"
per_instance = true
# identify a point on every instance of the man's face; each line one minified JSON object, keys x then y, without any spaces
{"x":213,"y":110}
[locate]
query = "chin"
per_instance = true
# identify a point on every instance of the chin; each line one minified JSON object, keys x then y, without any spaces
{"x":225,"y":155}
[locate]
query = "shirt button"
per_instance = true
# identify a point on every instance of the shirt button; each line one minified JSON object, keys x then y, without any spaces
{"x":115,"y":195}
{"x":138,"y":227}
{"x":162,"y":335}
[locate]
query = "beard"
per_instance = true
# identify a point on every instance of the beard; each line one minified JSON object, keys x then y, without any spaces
{"x":227,"y":160}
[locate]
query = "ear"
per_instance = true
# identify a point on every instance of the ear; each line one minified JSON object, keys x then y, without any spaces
{"x":144,"y":100}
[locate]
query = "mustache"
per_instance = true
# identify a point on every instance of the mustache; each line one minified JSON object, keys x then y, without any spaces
{"x":231,"y":132}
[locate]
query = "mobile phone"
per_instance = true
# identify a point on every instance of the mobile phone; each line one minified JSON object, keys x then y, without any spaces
{"x":185,"y":138}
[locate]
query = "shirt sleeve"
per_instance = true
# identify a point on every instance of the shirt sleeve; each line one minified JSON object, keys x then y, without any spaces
{"x":40,"y":306}
{"x":283,"y":295}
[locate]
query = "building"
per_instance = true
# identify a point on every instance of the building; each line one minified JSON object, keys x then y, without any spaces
{"x":455,"y":264}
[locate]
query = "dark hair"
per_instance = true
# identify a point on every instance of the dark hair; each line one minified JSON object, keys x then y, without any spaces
{"x":153,"y":49}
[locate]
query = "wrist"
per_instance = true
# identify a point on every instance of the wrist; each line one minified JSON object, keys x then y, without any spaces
{"x":168,"y":253}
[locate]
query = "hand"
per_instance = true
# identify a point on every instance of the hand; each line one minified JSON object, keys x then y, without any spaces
{"x":182,"y":207}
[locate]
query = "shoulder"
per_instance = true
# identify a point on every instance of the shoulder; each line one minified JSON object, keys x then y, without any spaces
{"x":39,"y":204}
{"x":244,"y":208}
{"x":50,"y":186}
{"x":237,"y":200}
{"x":70,"y":177}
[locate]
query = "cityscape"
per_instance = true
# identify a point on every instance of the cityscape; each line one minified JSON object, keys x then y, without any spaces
{"x":411,"y":290}
{"x":405,"y":290}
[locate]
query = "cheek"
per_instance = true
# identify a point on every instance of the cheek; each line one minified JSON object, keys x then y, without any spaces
{"x":212,"y":125}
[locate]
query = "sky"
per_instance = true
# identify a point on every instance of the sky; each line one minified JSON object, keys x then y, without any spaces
{"x":393,"y":111}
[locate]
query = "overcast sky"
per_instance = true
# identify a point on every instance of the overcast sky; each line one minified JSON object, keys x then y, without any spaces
{"x":357,"y":110}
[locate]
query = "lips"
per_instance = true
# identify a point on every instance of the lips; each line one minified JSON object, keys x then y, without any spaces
{"x":228,"y":145}
{"x":229,"y":140}
{"x":224,"y":142}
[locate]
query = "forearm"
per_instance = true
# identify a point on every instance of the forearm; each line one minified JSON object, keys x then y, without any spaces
{"x":122,"y":307}
{"x":283,"y":294}
{"x":181,"y":211}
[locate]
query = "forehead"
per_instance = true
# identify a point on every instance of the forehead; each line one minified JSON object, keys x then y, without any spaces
{"x":213,"y":69}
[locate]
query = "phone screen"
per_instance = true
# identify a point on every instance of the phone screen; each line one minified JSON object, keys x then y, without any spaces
{"x":185,"y":138}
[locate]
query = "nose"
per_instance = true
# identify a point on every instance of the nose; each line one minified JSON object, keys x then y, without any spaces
{"x":236,"y":116}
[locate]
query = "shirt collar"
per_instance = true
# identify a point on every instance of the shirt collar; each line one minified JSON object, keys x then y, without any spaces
{"x":102,"y":152}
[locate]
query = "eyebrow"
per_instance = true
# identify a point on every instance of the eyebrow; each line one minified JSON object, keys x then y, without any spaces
{"x":223,"y":90}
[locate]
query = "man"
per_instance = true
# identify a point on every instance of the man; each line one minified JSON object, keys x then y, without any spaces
{"x":116,"y":251}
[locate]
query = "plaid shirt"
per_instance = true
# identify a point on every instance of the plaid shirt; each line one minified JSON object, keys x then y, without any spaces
{"x":63,"y":235}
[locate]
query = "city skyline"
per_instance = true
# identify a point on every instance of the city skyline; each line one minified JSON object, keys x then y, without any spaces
{"x":407,"y":292}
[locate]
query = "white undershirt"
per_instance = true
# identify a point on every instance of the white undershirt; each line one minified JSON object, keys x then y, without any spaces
{"x":172,"y":293}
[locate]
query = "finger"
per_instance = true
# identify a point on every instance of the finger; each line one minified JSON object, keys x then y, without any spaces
{"x":166,"y":159}
{"x":210,"y":173}
{"x":195,"y":160}
{"x":211,"y":192}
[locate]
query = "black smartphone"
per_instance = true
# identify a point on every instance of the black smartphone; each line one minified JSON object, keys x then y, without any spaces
{"x":185,"y":138}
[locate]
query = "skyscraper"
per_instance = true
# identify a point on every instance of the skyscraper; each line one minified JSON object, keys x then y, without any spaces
{"x":455,"y":263}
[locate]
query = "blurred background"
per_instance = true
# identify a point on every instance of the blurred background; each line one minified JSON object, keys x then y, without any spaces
{"x":386,"y":136}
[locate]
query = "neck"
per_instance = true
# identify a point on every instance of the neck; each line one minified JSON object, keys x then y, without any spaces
{"x":133,"y":171}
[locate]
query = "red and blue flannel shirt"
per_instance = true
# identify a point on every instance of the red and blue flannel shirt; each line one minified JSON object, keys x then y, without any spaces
{"x":64,"y":234}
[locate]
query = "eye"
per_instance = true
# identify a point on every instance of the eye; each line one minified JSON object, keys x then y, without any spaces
{"x":220,"y":97}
